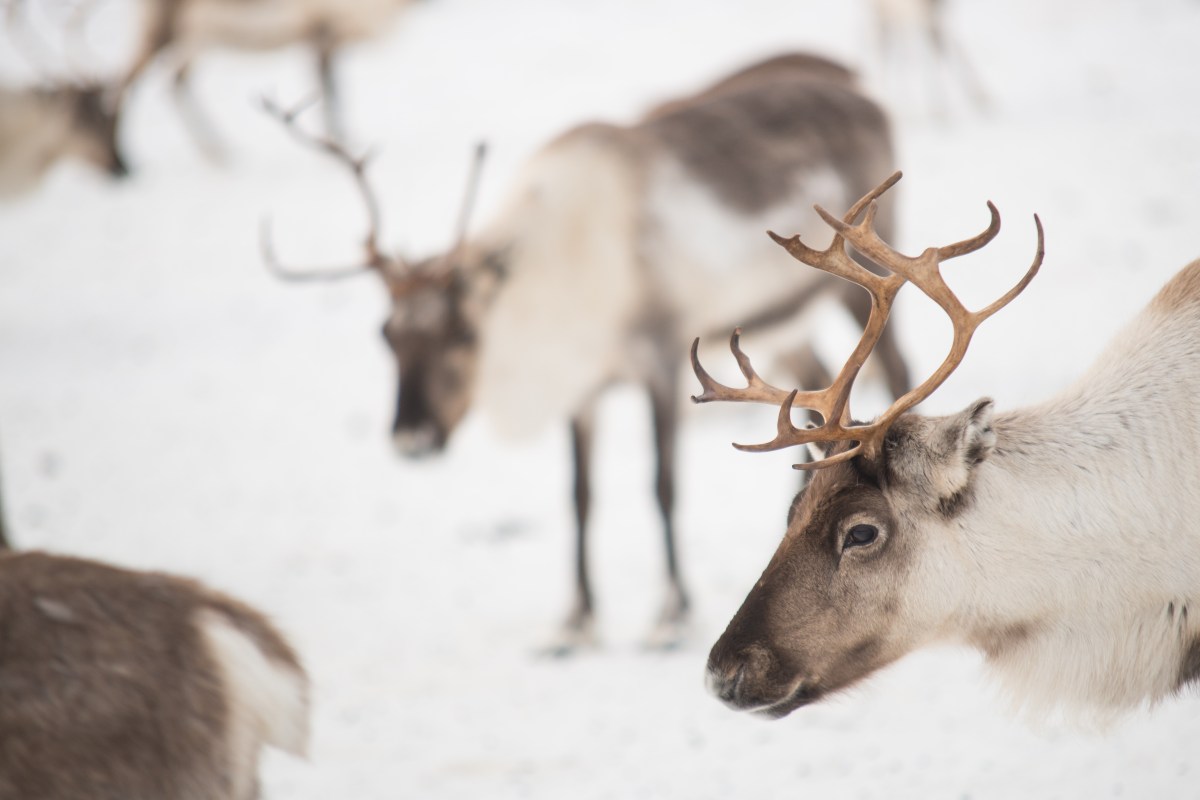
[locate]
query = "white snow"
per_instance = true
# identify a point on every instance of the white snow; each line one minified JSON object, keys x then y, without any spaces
{"x":166,"y":404}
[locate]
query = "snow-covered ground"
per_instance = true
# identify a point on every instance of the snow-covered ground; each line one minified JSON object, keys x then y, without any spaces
{"x":165,"y":404}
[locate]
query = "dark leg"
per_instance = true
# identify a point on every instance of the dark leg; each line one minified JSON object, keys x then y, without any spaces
{"x":577,"y":630}
{"x":665,"y":406}
{"x":324,"y":44}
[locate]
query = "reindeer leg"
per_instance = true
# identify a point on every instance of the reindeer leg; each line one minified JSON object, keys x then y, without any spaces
{"x":323,"y":42}
{"x":671,"y":627}
{"x":578,"y":629}
{"x":197,"y":124}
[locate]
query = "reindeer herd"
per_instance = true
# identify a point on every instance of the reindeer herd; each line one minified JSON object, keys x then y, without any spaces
{"x":1058,"y":540}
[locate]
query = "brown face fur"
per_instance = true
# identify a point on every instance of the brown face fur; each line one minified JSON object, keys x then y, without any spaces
{"x":830,"y":609}
{"x":817,"y":620}
{"x":433,"y":333}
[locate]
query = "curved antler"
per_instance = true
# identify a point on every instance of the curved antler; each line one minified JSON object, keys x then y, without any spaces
{"x":832,"y":403}
{"x":373,"y":258}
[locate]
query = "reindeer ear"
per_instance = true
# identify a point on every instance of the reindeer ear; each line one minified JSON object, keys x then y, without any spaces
{"x":957,"y":444}
{"x":938,"y":455}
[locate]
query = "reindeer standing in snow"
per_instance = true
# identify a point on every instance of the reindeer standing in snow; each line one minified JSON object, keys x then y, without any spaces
{"x":613,"y":245}
{"x":1060,"y":540}
{"x":181,"y":29}
{"x":139,"y":686}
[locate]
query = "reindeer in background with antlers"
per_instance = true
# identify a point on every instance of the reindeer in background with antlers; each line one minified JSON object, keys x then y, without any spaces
{"x":595,"y":271}
{"x":1060,"y":540}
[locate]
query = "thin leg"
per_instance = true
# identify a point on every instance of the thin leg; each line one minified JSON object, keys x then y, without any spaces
{"x":578,"y":629}
{"x":323,"y":41}
{"x":202,"y":131}
{"x":665,"y":407}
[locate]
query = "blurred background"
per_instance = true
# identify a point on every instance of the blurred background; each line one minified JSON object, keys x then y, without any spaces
{"x":165,"y":403}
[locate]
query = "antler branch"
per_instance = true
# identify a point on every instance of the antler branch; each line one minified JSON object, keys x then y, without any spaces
{"x":374,"y":259}
{"x":832,"y":403}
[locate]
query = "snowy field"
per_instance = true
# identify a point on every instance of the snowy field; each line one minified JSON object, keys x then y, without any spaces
{"x":166,"y":404}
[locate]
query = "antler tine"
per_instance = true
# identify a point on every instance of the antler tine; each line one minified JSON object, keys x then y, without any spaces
{"x":472,"y":191}
{"x":375,"y":258}
{"x":756,"y":391}
{"x":267,"y":249}
{"x":975,"y":242}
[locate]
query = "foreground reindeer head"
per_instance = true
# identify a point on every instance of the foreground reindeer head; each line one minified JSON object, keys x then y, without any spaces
{"x":853,"y":586}
{"x":437,"y":306}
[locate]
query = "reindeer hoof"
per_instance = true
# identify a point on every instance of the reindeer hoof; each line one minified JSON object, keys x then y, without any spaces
{"x":576,"y":634}
{"x":667,"y":635}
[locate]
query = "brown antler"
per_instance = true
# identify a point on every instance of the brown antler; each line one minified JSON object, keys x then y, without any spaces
{"x":832,"y":403}
{"x":374,"y":259}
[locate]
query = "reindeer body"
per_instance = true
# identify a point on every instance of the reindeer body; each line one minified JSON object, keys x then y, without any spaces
{"x":627,"y":240}
{"x":138,"y":686}
{"x":1060,"y":540}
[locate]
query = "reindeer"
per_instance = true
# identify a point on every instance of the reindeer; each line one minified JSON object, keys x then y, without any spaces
{"x":1059,"y":540}
{"x":180,"y":29}
{"x":57,"y":119}
{"x":613,"y":244}
{"x":137,"y":685}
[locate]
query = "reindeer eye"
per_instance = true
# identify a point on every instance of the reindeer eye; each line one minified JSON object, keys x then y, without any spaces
{"x":860,"y":536}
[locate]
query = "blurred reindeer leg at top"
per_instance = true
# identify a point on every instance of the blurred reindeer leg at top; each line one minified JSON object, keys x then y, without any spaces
{"x":198,"y":125}
{"x":922,"y":23}
{"x":325,"y":46}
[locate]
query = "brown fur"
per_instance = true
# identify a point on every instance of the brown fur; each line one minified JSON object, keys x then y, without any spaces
{"x":1181,"y":291}
{"x":794,"y":618}
{"x":107,"y":689}
{"x":749,"y":143}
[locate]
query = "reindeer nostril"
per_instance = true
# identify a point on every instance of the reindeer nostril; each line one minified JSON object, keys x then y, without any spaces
{"x":732,"y":685}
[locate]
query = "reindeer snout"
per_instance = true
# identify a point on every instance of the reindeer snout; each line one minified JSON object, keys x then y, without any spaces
{"x":418,"y":441}
{"x":744,"y":679}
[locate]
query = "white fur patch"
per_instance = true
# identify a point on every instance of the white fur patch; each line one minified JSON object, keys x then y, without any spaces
{"x":557,"y":330}
{"x":268,"y":701}
{"x":716,"y":264}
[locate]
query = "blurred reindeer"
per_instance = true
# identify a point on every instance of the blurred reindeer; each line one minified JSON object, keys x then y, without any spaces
{"x":60,"y":118}
{"x":179,"y":30}
{"x":922,"y":23}
{"x":614,"y":243}
{"x":137,"y":685}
